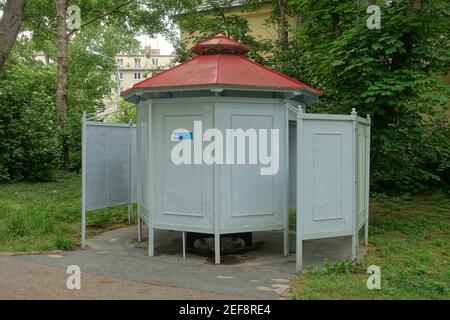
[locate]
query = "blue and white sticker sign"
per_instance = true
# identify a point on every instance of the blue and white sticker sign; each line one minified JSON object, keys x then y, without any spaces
{"x":181,"y":134}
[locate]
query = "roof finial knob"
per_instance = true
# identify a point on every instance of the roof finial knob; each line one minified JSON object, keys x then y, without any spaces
{"x":354,"y":113}
{"x":220,"y":44}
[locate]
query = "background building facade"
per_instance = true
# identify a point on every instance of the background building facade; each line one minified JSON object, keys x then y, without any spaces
{"x":135,"y":68}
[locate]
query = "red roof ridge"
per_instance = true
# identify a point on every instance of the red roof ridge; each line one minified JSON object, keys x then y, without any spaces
{"x":164,"y":71}
{"x":282,"y":75}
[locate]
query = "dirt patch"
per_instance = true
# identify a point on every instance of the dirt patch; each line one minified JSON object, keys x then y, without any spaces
{"x":96,"y":229}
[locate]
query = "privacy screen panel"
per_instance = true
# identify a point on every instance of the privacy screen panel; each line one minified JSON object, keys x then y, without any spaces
{"x":110,"y":165}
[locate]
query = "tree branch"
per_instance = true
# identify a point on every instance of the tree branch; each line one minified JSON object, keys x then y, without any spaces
{"x":102,"y":16}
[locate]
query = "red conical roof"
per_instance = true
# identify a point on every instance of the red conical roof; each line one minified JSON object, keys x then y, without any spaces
{"x":221,"y":61}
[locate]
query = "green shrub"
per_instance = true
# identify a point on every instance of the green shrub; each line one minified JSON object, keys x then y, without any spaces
{"x":413,"y":157}
{"x":30,"y":146}
{"x":63,"y":243}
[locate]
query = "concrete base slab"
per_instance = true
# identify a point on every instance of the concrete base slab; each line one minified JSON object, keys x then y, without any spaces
{"x":260,"y":273}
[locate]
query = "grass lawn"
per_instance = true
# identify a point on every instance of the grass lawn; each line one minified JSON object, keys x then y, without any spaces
{"x":47,"y":216}
{"x":409,"y":239}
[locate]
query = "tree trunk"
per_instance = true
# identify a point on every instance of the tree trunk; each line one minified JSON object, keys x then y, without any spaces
{"x":282,"y":25}
{"x":10,"y":27}
{"x":335,"y":24}
{"x":63,"y":70}
{"x":62,"y":60}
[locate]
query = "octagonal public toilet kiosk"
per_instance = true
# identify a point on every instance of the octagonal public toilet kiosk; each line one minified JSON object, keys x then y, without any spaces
{"x":213,"y":146}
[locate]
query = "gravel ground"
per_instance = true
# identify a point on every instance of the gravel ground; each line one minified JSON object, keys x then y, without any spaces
{"x":20,"y":279}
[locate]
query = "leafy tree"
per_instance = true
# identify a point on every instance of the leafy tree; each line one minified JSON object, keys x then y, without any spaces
{"x":126,"y":114}
{"x":391,"y":73}
{"x":30,"y":145}
{"x":48,"y":21}
{"x":89,"y":74}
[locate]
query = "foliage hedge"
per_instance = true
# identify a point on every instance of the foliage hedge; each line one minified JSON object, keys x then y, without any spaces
{"x":30,"y":147}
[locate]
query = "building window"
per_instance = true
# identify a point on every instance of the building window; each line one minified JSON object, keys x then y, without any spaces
{"x":120,"y":76}
{"x":120,"y":62}
{"x":154,"y":61}
{"x":137,"y":63}
{"x":137,"y":76}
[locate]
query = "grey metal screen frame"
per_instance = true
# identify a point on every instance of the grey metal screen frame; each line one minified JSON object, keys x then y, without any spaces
{"x":353,"y":187}
{"x":108,"y":168}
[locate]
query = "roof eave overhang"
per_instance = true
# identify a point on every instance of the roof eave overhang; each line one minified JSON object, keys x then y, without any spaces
{"x":136,"y":95}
